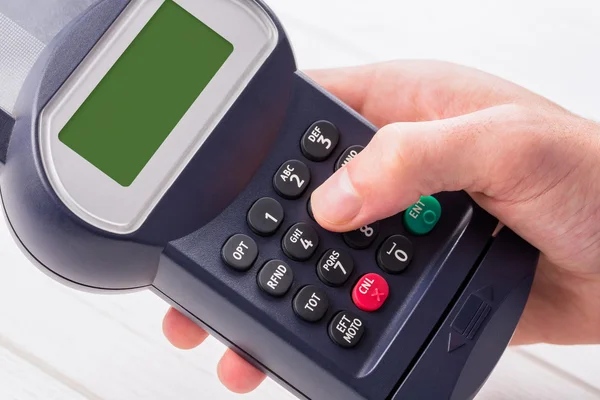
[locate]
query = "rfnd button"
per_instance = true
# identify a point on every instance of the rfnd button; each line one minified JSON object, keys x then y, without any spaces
{"x":346,"y":329}
{"x":275,"y":278}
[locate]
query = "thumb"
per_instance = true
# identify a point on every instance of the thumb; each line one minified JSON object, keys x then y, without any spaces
{"x":484,"y":152}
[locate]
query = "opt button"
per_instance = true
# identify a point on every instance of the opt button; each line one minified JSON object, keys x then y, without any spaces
{"x":370,"y":293}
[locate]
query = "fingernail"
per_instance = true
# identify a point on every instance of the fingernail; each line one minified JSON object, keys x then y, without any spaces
{"x":337,"y":201}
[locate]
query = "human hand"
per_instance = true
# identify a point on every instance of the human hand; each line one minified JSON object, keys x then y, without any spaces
{"x":529,"y":162}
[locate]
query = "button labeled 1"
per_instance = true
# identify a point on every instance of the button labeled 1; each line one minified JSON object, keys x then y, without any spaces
{"x":395,"y":254}
{"x":265,"y":216}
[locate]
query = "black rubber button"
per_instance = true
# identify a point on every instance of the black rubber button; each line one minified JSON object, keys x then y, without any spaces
{"x":362,"y":238}
{"x":335,"y":267}
{"x":265,"y":216}
{"x":275,"y":278}
{"x":320,"y":140}
{"x":346,"y":329}
{"x":309,"y":210}
{"x":348,"y":155}
{"x":311,"y":303}
{"x":300,"y":242}
{"x":395,"y":255}
{"x":292,"y":179}
{"x":240,"y":252}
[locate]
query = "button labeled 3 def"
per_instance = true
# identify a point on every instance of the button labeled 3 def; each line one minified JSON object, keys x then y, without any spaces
{"x":320,"y":140}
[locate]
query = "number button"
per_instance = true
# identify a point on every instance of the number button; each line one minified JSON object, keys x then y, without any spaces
{"x":311,"y":303}
{"x":275,"y":278}
{"x":320,"y":140}
{"x":346,"y":329}
{"x":348,"y":155}
{"x":240,"y":252}
{"x":300,"y":242}
{"x":362,"y":238}
{"x":292,"y":179}
{"x":309,"y":210}
{"x":395,"y":254}
{"x":335,"y":267}
{"x":265,"y":216}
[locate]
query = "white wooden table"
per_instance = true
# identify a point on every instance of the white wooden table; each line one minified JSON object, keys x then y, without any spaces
{"x":56,"y":343}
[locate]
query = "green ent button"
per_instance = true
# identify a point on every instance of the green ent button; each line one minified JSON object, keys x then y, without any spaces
{"x":422,"y":217}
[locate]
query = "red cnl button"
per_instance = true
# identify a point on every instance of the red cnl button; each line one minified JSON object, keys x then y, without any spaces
{"x":370,"y":292}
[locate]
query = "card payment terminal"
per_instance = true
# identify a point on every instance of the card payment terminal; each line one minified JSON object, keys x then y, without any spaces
{"x":172,"y":145}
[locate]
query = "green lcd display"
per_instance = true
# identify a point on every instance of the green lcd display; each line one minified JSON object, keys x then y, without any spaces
{"x":146,"y":93}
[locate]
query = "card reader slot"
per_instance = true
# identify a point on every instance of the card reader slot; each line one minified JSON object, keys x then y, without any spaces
{"x":6,"y":125}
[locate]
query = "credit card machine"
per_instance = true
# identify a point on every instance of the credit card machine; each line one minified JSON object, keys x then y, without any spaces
{"x":172,"y":145}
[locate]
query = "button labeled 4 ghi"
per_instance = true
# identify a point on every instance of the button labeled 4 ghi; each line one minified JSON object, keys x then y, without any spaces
{"x":370,"y":293}
{"x":300,"y":242}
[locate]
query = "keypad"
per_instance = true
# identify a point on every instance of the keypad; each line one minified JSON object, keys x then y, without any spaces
{"x":292,"y":179}
{"x":320,"y":140}
{"x":362,"y":238}
{"x":300,"y":242}
{"x":275,"y":278}
{"x":240,"y":252}
{"x":311,"y":303}
{"x":334,"y":269}
{"x":395,"y":255}
{"x":348,"y":155}
{"x":265,"y":216}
